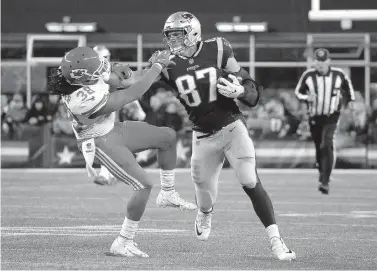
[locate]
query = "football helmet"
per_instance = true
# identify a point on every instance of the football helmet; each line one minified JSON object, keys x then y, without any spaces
{"x":102,"y":51}
{"x":84,"y":66}
{"x":181,"y":31}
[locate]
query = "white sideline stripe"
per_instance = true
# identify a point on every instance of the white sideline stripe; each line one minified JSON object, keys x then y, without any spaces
{"x":187,"y":170}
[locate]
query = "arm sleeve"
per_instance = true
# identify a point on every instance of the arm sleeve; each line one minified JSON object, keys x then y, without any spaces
{"x":302,"y":88}
{"x":224,"y":52}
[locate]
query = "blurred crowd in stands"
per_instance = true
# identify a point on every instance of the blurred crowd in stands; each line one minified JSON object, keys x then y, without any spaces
{"x":279,"y":115}
{"x":160,"y":106}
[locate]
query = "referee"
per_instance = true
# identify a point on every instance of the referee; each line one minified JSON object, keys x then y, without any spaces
{"x":324,"y":89}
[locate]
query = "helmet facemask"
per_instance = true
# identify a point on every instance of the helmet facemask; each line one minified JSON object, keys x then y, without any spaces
{"x":179,"y":39}
{"x":82,"y":77}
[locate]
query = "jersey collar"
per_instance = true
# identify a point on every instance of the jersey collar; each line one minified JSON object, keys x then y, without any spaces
{"x":195,"y":54}
{"x":326,"y":74}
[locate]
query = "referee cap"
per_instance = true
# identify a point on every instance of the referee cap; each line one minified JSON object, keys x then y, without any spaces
{"x":321,"y":54}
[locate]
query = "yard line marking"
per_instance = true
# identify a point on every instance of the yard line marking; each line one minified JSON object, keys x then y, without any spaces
{"x":97,"y":230}
{"x":351,"y":214}
{"x":185,"y":233}
{"x":311,"y":224}
{"x":89,"y":228}
{"x":246,"y":201}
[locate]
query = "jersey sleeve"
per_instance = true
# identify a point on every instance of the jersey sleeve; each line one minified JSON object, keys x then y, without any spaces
{"x":224,"y":52}
{"x":89,"y":100}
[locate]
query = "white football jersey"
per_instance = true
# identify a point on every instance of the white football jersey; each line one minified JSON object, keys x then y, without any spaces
{"x":84,"y":102}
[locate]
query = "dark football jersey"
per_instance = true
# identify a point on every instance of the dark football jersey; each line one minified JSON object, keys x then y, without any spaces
{"x":194,"y":80}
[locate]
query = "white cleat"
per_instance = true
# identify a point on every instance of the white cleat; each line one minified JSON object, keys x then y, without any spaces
{"x":101,"y":180}
{"x":280,"y":250}
{"x":128,"y":249}
{"x":173,"y":199}
{"x":203,"y":225}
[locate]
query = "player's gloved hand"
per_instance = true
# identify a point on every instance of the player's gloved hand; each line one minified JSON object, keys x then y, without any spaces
{"x":123,"y":71}
{"x":162,"y":58}
{"x":230,"y":89}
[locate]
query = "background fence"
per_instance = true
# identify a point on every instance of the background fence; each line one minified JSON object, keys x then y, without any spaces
{"x":278,"y":124}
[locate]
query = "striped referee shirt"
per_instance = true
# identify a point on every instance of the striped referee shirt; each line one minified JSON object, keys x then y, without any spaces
{"x":328,"y":90}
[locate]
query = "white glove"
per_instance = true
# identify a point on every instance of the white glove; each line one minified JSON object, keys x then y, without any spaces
{"x":230,"y":89}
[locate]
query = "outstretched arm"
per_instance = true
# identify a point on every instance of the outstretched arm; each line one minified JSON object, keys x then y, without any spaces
{"x":116,"y":100}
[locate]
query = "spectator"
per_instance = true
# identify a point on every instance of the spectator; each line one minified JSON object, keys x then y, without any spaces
{"x":37,"y":114}
{"x":61,"y":124}
{"x":373,"y":121}
{"x":52,"y":106}
{"x":172,"y":119}
{"x":14,"y":115}
{"x":4,"y":103}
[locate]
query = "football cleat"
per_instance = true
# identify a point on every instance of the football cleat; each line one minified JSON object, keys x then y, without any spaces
{"x":100,"y":180}
{"x":280,"y":250}
{"x":128,"y":249}
{"x":172,"y":199}
{"x":203,"y":225}
{"x":324,"y":188}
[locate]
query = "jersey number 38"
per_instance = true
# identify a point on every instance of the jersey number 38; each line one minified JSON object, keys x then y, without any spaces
{"x":186,"y":85}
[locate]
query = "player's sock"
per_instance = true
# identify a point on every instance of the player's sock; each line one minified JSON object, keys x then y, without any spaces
{"x":167,"y":178}
{"x":208,"y":211}
{"x":128,"y":230}
{"x":262,"y":204}
{"x":273,"y":231}
{"x":104,"y":173}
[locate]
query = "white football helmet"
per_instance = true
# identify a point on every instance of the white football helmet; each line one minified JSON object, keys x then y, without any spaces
{"x":181,"y":31}
{"x":102,"y":51}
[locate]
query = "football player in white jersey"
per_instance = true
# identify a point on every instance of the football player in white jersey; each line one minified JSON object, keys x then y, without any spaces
{"x":105,"y":177}
{"x":83,"y":82}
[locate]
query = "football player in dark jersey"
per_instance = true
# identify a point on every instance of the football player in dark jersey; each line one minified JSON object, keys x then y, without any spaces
{"x":207,"y":79}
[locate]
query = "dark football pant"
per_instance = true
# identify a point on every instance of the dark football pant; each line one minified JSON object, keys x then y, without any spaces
{"x":323,"y":130}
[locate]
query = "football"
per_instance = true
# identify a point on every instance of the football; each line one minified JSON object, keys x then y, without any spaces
{"x":224,"y":74}
{"x":115,"y":80}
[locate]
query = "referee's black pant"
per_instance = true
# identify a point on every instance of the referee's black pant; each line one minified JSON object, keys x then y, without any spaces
{"x":323,"y":130}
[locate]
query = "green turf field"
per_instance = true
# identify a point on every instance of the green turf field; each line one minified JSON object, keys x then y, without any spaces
{"x":58,"y":219}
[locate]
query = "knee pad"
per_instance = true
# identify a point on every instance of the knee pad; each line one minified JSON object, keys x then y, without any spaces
{"x":195,"y":173}
{"x":246,"y":172}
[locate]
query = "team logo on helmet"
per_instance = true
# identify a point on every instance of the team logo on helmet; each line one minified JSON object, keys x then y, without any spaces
{"x":79,"y":73}
{"x":187,"y":16}
{"x":321,"y":53}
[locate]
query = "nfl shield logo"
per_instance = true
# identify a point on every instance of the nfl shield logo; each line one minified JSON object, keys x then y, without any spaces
{"x":191,"y":61}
